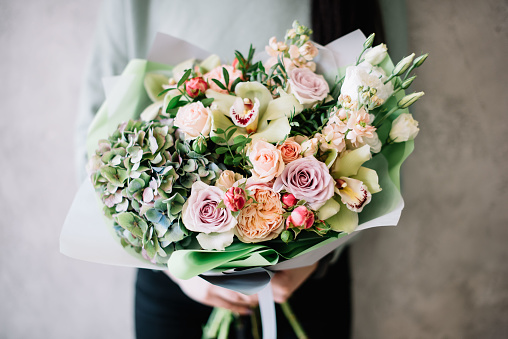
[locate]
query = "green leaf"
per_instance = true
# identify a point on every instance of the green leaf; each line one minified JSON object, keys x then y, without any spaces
{"x":207,"y":102}
{"x":230,"y":134}
{"x":218,"y":83}
{"x":173,"y":102}
{"x":238,"y":139}
{"x":237,"y":160}
{"x":184,"y":78}
{"x":219,"y":131}
{"x":218,"y":140}
{"x":225,"y":73}
{"x":221,"y":150}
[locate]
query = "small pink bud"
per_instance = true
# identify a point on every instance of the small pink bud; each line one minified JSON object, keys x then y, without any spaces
{"x":301,"y":217}
{"x":289,"y":200}
{"x":235,"y":199}
{"x":235,"y":63}
{"x":196,"y":86}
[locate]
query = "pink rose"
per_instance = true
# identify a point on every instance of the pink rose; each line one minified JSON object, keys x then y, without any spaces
{"x":267,"y":161}
{"x":235,"y":199}
{"x":307,"y":86}
{"x":307,"y":179}
{"x":300,"y":217}
{"x":262,"y":221}
{"x":194,"y":120}
{"x":200,"y":212}
{"x":218,"y":74}
{"x":290,"y":150}
{"x":289,"y":200}
{"x":196,"y":87}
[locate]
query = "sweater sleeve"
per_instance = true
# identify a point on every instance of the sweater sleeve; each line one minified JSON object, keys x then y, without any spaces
{"x":109,"y":56}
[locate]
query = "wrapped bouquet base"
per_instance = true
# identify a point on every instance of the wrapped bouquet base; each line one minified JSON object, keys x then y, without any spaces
{"x":237,"y":171}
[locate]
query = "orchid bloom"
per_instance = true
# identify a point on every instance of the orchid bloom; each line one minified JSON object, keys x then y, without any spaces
{"x":253,"y":110}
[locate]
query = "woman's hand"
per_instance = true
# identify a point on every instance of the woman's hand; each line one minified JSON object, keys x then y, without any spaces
{"x":205,"y":293}
{"x":284,"y":283}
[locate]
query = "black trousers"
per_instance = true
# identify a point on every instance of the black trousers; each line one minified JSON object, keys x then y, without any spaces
{"x":322,"y":305}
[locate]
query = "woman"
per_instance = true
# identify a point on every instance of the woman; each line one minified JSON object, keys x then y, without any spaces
{"x":166,"y":307}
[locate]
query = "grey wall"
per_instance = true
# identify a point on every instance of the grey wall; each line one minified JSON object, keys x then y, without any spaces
{"x":441,"y":273}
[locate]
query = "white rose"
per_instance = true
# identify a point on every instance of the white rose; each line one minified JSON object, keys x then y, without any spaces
{"x":227,"y":179}
{"x":194,"y":120}
{"x":365,"y":75}
{"x":404,"y":128}
{"x":376,"y":54}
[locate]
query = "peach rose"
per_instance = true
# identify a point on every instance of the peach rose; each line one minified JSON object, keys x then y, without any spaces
{"x":290,"y":150}
{"x":262,"y":221}
{"x":194,"y":120}
{"x":266,"y":160}
{"x":218,"y":74}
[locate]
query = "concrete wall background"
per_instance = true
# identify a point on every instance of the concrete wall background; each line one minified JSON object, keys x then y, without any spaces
{"x":441,"y":273}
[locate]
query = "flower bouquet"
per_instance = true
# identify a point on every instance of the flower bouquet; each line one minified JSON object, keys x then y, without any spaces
{"x":267,"y":163}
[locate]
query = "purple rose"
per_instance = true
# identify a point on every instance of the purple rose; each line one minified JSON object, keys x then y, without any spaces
{"x":200,"y":212}
{"x":307,"y":179}
{"x":307,"y":86}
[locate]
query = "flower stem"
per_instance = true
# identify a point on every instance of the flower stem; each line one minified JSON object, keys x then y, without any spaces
{"x":295,"y":324}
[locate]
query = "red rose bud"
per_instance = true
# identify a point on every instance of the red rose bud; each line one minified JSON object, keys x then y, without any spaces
{"x":301,"y":217}
{"x":289,"y":200}
{"x":196,"y":86}
{"x":235,"y":199}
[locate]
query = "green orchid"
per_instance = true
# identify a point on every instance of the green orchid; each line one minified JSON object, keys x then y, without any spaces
{"x":155,"y":83}
{"x":355,"y":184}
{"x":253,"y":110}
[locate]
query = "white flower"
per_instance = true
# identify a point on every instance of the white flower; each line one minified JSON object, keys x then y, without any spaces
{"x":365,"y":75}
{"x":374,"y":143}
{"x":376,"y":54}
{"x":404,"y":128}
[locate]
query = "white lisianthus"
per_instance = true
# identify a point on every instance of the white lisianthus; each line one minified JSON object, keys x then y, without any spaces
{"x":374,"y":143}
{"x":366,"y":75}
{"x":404,"y":128}
{"x":376,"y":55}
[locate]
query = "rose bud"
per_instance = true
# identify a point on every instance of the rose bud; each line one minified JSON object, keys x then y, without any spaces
{"x":289,"y":200}
{"x":196,"y":87}
{"x":235,"y":199}
{"x":301,"y":217}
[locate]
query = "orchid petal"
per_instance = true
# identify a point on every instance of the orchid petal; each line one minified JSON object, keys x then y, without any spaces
{"x":223,"y":102}
{"x":219,"y":120}
{"x":369,"y":178}
{"x":153,"y":85}
{"x":328,"y":210}
{"x":253,"y":90}
{"x":275,"y":131}
{"x":349,"y":163}
{"x":354,"y":194}
{"x":285,"y":105}
{"x":210,"y":63}
{"x":344,"y":221}
{"x":179,"y":70}
{"x":152,"y":111}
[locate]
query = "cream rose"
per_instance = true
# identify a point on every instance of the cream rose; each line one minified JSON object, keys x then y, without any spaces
{"x":194,"y":120}
{"x":226,"y":180}
{"x":266,"y":160}
{"x":307,"y":86}
{"x":262,"y":221}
